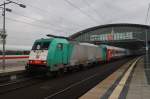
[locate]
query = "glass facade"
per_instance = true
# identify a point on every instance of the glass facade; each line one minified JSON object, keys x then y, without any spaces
{"x":138,"y":33}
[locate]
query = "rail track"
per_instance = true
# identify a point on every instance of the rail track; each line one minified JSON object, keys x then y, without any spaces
{"x":20,"y":83}
{"x":56,"y":86}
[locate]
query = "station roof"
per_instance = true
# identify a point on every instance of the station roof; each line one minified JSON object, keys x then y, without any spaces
{"x":131,"y":44}
{"x":108,"y":25}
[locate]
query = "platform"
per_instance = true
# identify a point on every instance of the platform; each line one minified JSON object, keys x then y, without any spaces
{"x":14,"y":62}
{"x":139,"y":87}
{"x":128,"y":82}
{"x":12,"y":70}
{"x":14,"y":67}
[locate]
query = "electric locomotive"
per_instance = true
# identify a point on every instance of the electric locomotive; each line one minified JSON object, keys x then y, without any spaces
{"x":58,"y":53}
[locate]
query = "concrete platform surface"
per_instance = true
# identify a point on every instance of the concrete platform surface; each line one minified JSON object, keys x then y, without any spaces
{"x":128,"y":82}
{"x":10,"y":63}
{"x":13,"y":66}
{"x":13,"y":70}
{"x":138,"y":87}
{"x":104,"y":89}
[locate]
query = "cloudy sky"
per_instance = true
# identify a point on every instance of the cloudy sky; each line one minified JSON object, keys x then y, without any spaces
{"x":65,"y":17}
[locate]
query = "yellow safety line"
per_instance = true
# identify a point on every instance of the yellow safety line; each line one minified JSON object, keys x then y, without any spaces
{"x":117,"y":91}
{"x":101,"y":88}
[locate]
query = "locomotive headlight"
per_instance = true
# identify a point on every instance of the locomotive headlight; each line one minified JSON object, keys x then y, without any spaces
{"x":44,"y":62}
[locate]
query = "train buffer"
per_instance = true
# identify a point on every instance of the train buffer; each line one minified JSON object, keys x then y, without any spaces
{"x":131,"y":81}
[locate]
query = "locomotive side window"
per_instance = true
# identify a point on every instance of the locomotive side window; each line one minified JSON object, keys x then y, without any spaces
{"x":60,"y":46}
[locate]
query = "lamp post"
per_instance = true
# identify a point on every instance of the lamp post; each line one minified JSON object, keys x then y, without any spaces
{"x":3,"y":35}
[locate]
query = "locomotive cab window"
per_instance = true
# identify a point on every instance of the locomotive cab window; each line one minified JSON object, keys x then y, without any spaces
{"x":36,"y":46}
{"x":41,"y":46}
{"x":45,"y":45}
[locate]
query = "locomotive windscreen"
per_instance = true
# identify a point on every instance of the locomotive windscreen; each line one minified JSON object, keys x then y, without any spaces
{"x":41,"y":46}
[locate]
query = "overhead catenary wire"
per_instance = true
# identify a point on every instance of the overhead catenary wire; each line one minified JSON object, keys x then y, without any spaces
{"x":83,"y":12}
{"x":92,"y":8}
{"x":34,"y":25}
{"x":47,"y":12}
{"x":43,"y":22}
{"x":74,"y":25}
{"x":39,"y":26}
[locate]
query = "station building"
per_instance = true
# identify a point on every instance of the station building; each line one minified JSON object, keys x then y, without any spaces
{"x":124,"y":35}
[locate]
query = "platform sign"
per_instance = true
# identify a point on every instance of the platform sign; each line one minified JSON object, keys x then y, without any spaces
{"x":1,"y":39}
{"x":112,"y":36}
{"x":2,"y":35}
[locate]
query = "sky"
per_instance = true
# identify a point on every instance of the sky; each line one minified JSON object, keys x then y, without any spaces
{"x":66,"y":17}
